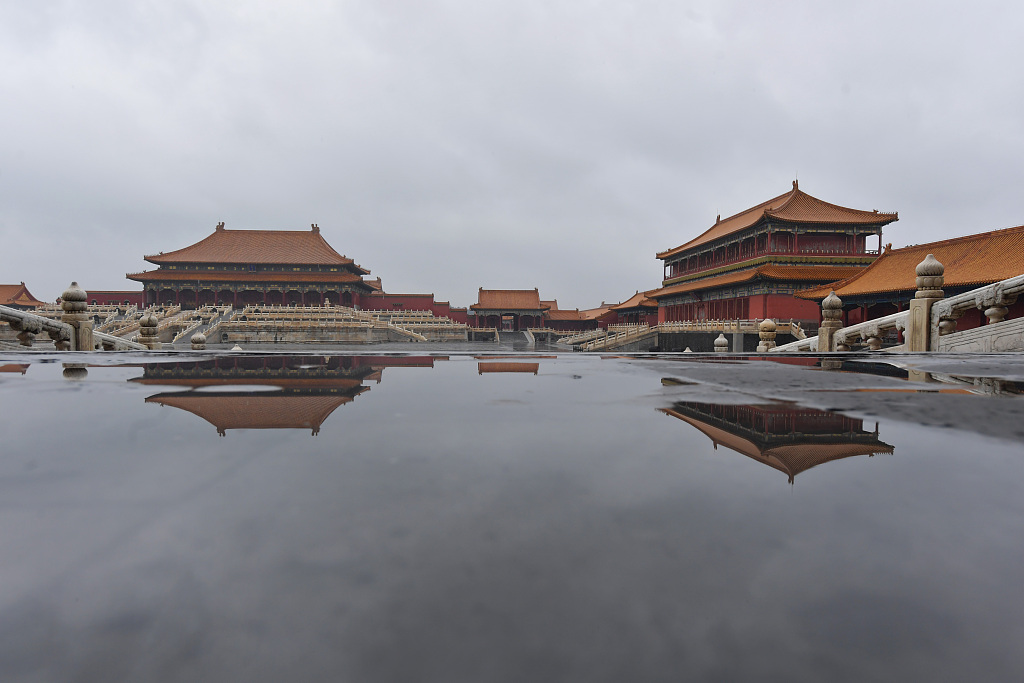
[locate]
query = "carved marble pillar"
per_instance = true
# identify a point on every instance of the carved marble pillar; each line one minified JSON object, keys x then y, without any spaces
{"x":72,"y":302}
{"x":831,"y":320}
{"x":929,"y":290}
{"x":147,"y":331}
{"x":766,"y":331}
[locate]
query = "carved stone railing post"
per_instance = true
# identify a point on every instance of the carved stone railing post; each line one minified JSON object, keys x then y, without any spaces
{"x":766,"y":331}
{"x":26,"y":335}
{"x":995,"y":313}
{"x":198,"y":341}
{"x":721,"y":344}
{"x":147,"y":331}
{"x":831,"y":320}
{"x":929,"y":290}
{"x":72,"y":302}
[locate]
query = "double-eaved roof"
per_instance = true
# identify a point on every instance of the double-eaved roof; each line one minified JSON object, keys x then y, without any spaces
{"x":284,"y":247}
{"x":970,"y":261}
{"x":509,"y":300}
{"x":770,"y":271}
{"x":795,"y":207}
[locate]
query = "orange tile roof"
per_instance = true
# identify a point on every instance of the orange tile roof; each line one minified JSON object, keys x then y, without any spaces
{"x":17,"y":295}
{"x":593,"y":313}
{"x":552,"y":305}
{"x":292,"y":247}
{"x":164,"y":274}
{"x":970,"y":261}
{"x":508,"y":299}
{"x":771,"y":271}
{"x":794,"y":206}
{"x":564,"y":315}
{"x":640,"y":299}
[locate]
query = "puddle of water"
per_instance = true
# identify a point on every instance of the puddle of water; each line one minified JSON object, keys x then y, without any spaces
{"x":438,"y":518}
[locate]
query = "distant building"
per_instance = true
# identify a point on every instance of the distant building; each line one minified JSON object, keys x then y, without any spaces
{"x":639,"y":309}
{"x":509,"y":309}
{"x":270,"y":267}
{"x":18,"y":296}
{"x":888,"y":284}
{"x":749,"y":265}
{"x":274,"y":268}
{"x":521,"y":309}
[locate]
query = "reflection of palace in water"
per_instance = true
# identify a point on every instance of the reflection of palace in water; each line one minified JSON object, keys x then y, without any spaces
{"x":269,"y":392}
{"x":789,"y":438}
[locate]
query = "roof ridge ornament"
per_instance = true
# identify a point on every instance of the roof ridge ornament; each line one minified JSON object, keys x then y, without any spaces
{"x":315,"y":227}
{"x":796,"y":184}
{"x":219,"y":228}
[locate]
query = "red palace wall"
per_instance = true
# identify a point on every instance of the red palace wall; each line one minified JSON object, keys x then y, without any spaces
{"x":786,"y":306}
{"x":117,"y":298}
{"x":412,"y":302}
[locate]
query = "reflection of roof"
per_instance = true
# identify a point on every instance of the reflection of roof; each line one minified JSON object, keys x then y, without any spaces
{"x":15,"y":367}
{"x":163,"y":274}
{"x":507,"y":367}
{"x":257,"y":410}
{"x":794,"y":206}
{"x":508,"y":300}
{"x":638,"y":300}
{"x":258,"y":246}
{"x":768,"y":272}
{"x":17,"y":295}
{"x":791,"y":453}
{"x":319,"y":383}
{"x":970,"y":261}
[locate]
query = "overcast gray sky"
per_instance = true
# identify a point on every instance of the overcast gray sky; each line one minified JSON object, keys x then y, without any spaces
{"x":451,"y":145}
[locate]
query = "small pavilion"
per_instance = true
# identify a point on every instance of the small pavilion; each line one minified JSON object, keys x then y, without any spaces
{"x":18,"y":296}
{"x":638,"y":309}
{"x":509,"y":309}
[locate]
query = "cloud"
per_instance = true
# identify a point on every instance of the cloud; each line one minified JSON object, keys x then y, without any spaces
{"x":452,"y":145}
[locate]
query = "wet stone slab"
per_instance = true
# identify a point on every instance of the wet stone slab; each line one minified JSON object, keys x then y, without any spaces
{"x":510,"y":517}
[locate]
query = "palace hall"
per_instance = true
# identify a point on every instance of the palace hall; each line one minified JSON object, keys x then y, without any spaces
{"x":270,"y":267}
{"x":749,"y":265}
